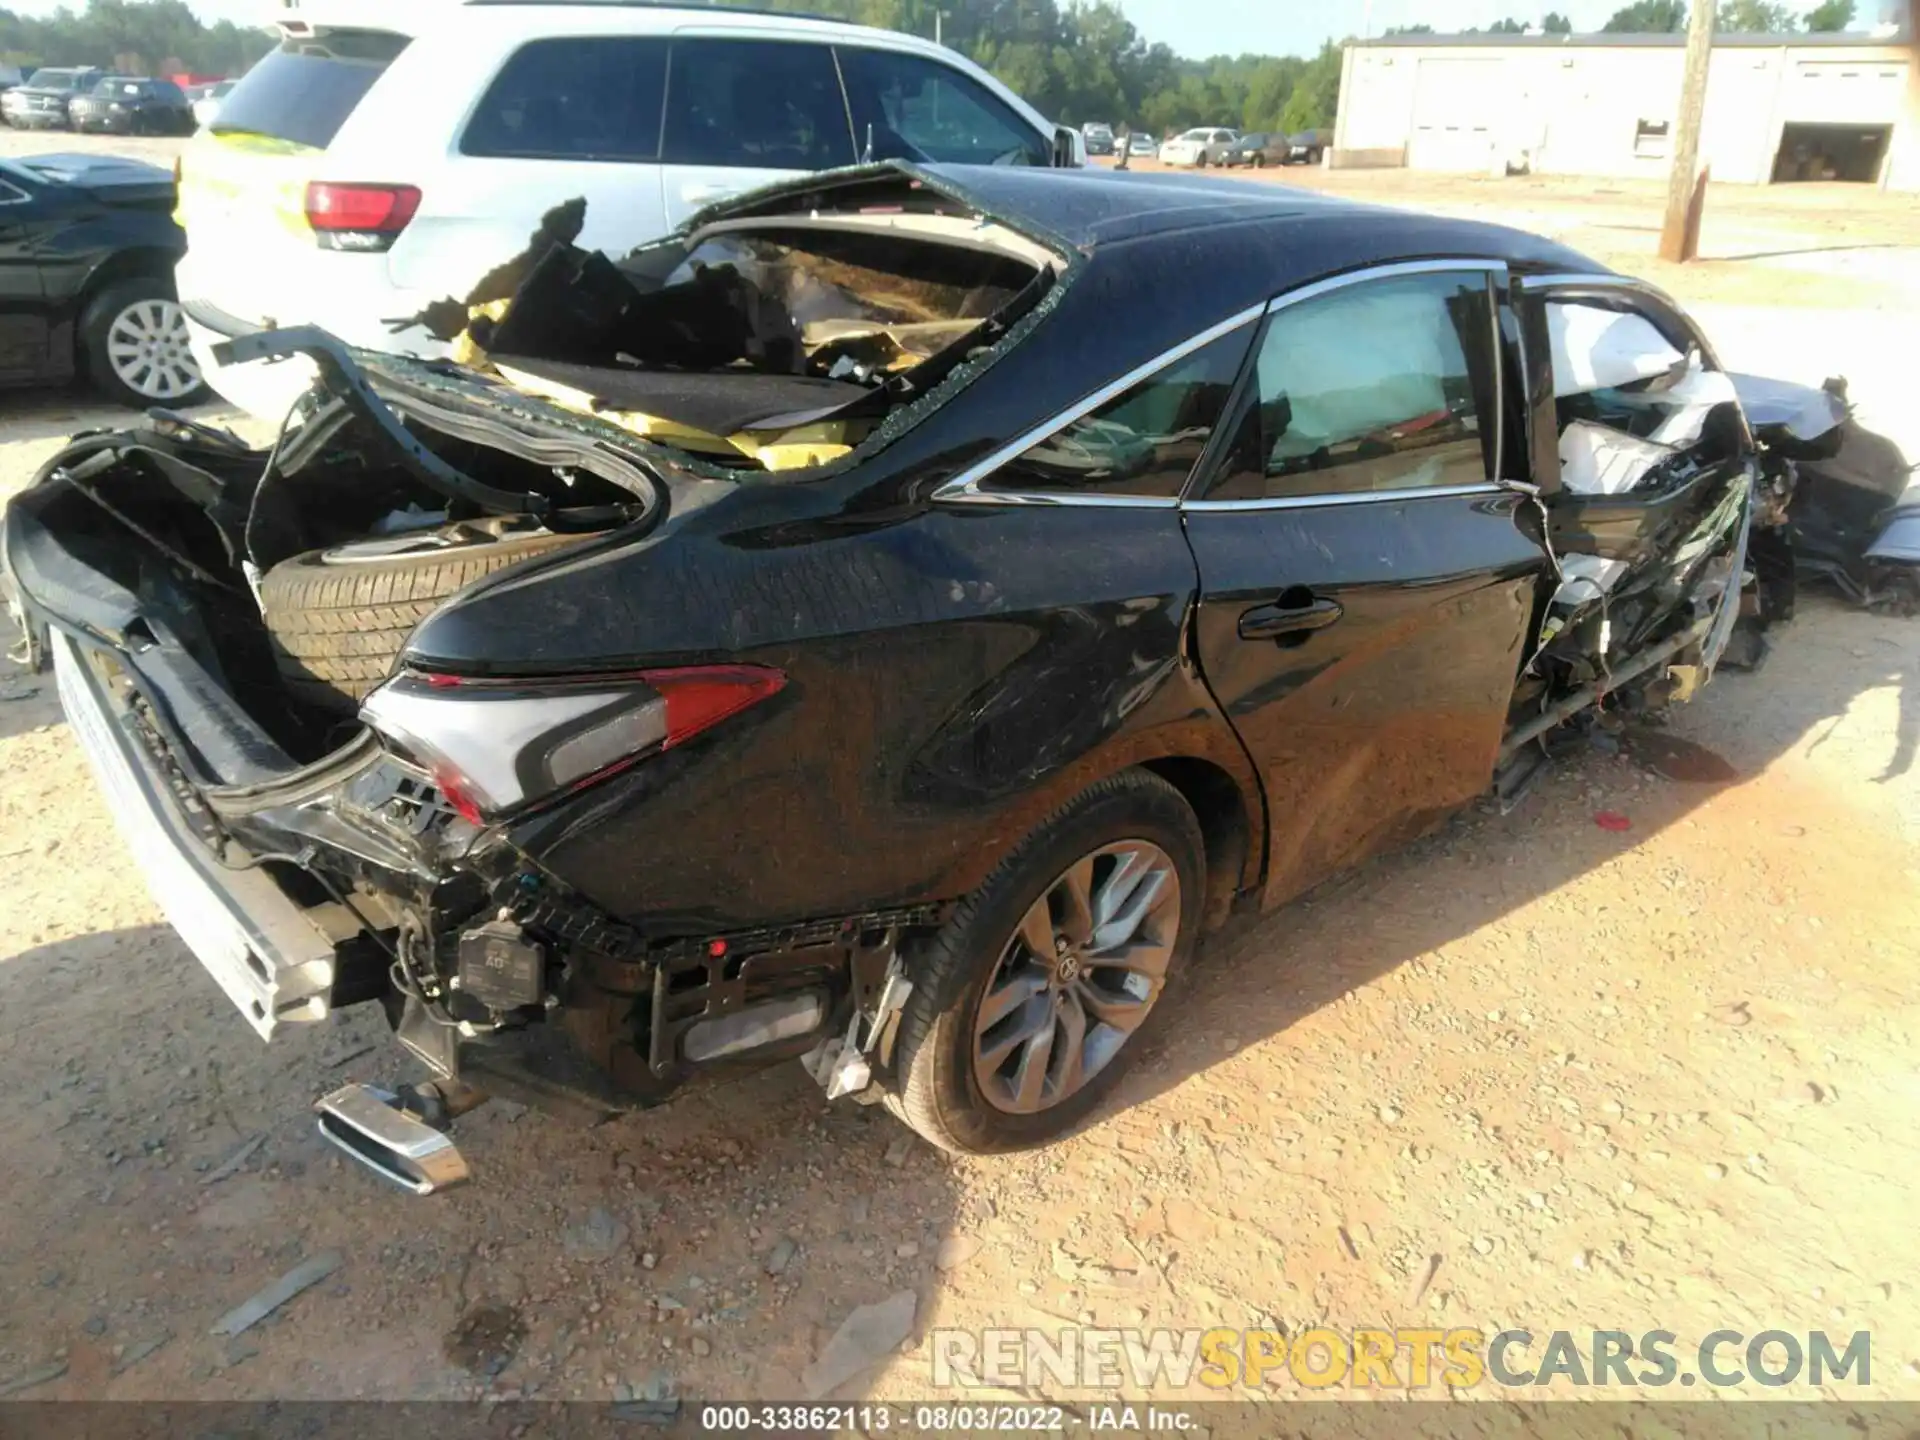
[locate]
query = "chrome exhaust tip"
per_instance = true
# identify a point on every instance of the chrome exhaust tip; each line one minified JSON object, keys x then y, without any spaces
{"x":368,"y":1124}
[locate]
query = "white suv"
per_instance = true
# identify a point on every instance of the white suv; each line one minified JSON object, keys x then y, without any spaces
{"x":386,"y":156}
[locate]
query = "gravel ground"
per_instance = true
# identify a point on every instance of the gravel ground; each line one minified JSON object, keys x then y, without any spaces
{"x":1531,"y":1073}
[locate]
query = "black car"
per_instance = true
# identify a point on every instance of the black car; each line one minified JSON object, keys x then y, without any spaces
{"x":87,"y":249}
{"x":1256,"y":150}
{"x":129,"y":105}
{"x":883,"y":624}
{"x":1305,"y":147}
{"x":42,"y":102}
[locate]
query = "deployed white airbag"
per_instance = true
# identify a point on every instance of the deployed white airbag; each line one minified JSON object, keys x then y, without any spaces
{"x":1599,"y":460}
{"x":1599,"y":349}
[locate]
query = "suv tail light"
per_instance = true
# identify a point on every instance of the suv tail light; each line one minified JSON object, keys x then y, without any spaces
{"x":359,"y":217}
{"x":495,"y":745}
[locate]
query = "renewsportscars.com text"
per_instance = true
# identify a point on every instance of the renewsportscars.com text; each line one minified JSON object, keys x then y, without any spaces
{"x":1402,"y":1358}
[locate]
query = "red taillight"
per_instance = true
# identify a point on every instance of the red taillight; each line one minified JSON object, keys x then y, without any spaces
{"x":495,"y":745}
{"x":701,"y":696}
{"x":453,"y":787}
{"x":359,"y":217}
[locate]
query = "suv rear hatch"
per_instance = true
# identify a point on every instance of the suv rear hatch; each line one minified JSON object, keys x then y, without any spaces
{"x":244,"y":197}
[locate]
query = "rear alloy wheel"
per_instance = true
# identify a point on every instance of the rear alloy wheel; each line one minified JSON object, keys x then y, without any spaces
{"x":135,"y":335}
{"x":1078,"y":977}
{"x":1028,"y":1006}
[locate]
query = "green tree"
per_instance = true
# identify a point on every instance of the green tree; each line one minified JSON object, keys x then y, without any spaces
{"x":1316,"y":97}
{"x":1081,"y":60}
{"x":1408,"y":30}
{"x":157,"y":37}
{"x":1269,"y":90}
{"x":1648,"y":17}
{"x":1830,"y":15}
{"x":1752,"y":17}
{"x":1556,"y":24}
{"x":1506,"y":27}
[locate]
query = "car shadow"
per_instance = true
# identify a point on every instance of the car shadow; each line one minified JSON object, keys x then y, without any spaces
{"x":707,"y":1248}
{"x":1259,"y":976}
{"x":27,"y":701}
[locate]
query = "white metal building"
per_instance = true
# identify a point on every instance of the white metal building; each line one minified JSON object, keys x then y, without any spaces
{"x":1779,"y":107}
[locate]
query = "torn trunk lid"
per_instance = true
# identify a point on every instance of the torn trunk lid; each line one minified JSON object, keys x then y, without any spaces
{"x":799,"y":328}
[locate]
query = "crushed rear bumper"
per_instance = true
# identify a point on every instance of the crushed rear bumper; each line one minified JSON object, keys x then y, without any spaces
{"x":274,"y":962}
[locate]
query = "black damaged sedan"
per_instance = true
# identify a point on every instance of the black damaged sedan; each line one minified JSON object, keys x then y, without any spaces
{"x":887,"y":624}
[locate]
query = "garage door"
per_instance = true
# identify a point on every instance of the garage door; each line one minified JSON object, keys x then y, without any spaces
{"x":1454,"y":103}
{"x":1846,"y":91}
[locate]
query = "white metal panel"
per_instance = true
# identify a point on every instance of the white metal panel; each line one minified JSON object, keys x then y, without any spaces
{"x":1454,"y":107}
{"x":1849,"y":92}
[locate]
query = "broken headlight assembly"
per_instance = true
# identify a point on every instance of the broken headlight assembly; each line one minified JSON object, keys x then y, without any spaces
{"x":497,"y":746}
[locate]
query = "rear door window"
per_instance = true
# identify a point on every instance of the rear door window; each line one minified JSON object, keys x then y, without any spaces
{"x":1377,"y":385}
{"x":1143,"y":442}
{"x":582,"y":98}
{"x":304,"y":91}
{"x":756,"y":105}
{"x":918,"y":109}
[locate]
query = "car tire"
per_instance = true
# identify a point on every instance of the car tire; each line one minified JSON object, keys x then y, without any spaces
{"x":944,"y":1063}
{"x":339,"y":618}
{"x":133,"y":339}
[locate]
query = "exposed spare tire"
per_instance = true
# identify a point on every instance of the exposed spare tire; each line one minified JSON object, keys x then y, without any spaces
{"x":338,"y":618}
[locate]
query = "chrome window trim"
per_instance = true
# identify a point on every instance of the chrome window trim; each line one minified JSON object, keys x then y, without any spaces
{"x":1522,"y":359}
{"x":965,"y":487}
{"x":1497,"y":357}
{"x":1389,"y":271}
{"x":1350,"y":497}
{"x":12,"y":194}
{"x":1328,"y":286}
{"x":1574,"y":280}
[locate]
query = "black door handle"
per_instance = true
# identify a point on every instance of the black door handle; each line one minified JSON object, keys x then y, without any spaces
{"x":1273,"y":622}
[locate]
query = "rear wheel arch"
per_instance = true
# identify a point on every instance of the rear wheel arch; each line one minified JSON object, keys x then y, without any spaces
{"x":931,"y":1083}
{"x":142,"y":262}
{"x":136,"y":263}
{"x":1228,"y":826}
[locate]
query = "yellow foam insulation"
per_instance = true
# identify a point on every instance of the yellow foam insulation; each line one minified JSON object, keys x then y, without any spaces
{"x":465,"y":351}
{"x":793,"y":449}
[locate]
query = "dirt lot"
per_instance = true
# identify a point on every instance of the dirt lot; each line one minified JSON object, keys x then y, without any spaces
{"x":1533,"y":1073}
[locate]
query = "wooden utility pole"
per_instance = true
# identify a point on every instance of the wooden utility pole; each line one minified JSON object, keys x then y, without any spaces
{"x":1686,"y":186}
